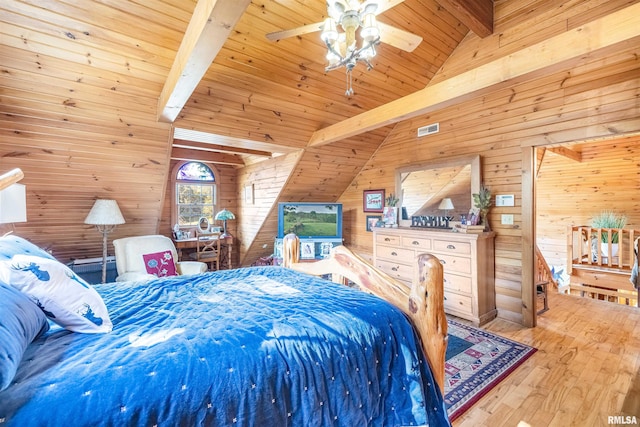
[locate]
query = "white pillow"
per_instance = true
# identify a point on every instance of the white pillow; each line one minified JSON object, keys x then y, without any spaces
{"x":63,"y":296}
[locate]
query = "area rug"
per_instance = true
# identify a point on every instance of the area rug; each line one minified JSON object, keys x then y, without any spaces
{"x":476,"y":361}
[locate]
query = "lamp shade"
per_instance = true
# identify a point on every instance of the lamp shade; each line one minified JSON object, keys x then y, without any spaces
{"x":446,"y":204}
{"x":224,"y":215}
{"x":13,"y":204}
{"x":104,"y":212}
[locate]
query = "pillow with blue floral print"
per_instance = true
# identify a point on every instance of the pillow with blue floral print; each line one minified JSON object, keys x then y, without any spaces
{"x":64,"y":297}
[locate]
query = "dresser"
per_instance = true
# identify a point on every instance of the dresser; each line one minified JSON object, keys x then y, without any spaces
{"x":467,"y":260}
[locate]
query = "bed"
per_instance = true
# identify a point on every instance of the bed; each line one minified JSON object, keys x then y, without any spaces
{"x":259,"y":346}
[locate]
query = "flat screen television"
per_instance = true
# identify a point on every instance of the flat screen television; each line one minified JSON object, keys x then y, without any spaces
{"x":310,"y":220}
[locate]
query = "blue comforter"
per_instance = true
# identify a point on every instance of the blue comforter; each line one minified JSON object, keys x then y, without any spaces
{"x":261,"y":346}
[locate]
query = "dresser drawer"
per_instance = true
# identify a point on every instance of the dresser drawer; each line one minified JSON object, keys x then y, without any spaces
{"x":459,"y":248}
{"x":416,"y":243}
{"x":453,"y":282}
{"x":396,"y":270}
{"x":454,"y":264}
{"x":388,"y":239}
{"x":457,"y":302}
{"x":395,"y":254}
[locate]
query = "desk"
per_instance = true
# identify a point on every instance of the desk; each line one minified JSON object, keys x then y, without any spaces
{"x":226,"y":248}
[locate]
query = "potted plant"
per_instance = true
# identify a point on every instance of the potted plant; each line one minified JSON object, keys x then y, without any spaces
{"x":390,"y":211}
{"x":482,"y":202}
{"x":609,"y":220}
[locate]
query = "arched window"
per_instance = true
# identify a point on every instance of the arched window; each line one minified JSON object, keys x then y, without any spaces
{"x":195,"y":192}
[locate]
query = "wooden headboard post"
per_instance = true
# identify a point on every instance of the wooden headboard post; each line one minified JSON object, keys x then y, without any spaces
{"x":423,"y":303}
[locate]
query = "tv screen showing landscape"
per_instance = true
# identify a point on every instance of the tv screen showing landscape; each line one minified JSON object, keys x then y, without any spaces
{"x":310,"y":219}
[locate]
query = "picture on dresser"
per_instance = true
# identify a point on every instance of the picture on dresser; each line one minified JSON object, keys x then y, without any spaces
{"x":307,"y":250}
{"x":373,"y":200}
{"x":372,"y":220}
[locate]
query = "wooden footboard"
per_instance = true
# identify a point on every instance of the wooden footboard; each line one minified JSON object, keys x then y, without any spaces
{"x":423,"y":303}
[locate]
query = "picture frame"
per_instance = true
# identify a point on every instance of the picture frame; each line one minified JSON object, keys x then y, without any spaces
{"x":325,"y":249}
{"x":372,"y":220}
{"x":248,"y":194}
{"x":373,"y":200}
{"x":307,"y":250}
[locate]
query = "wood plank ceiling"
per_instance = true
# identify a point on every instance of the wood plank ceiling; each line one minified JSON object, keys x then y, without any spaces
{"x":272,"y":96}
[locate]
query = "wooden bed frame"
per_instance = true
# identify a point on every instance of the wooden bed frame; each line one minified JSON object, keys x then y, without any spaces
{"x":423,"y":303}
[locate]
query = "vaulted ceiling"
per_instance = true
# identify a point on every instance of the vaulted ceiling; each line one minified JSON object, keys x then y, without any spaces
{"x":248,"y":97}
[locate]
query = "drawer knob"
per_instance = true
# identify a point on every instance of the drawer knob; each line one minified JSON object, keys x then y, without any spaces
{"x":451,"y":247}
{"x":443,"y":262}
{"x":394,"y":253}
{"x":415,"y":242}
{"x":394,"y":268}
{"x":386,"y":239}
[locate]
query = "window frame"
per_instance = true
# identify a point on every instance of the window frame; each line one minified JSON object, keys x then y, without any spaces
{"x":174,"y":191}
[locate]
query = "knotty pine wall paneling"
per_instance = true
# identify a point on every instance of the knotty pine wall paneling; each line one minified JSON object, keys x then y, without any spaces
{"x":596,"y":99}
{"x":570,"y":192}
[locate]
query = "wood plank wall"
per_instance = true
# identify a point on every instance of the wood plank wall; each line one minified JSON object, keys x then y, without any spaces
{"x":595,"y":99}
{"x":318,"y":174}
{"x":84,"y":127}
{"x":571,"y":192}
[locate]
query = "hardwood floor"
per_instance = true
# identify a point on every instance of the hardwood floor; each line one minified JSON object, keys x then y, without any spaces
{"x":586,"y":369}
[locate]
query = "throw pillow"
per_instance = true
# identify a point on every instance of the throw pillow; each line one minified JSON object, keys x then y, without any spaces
{"x":63,"y":296}
{"x":21,"y":321}
{"x":160,"y":264}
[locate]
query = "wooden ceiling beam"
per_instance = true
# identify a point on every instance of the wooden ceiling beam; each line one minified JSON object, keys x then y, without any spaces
{"x":203,"y":146}
{"x":566,"y":152}
{"x":477,"y":15}
{"x":211,"y":23}
{"x":574,"y":46}
{"x":206,"y":157}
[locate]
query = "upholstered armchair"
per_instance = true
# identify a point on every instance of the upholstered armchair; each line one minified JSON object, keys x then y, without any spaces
{"x":148,"y":257}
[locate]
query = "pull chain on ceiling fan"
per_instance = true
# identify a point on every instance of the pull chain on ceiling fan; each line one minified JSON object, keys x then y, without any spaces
{"x":342,"y":49}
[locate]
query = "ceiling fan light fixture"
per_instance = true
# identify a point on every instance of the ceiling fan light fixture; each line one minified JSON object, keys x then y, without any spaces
{"x":343,"y":47}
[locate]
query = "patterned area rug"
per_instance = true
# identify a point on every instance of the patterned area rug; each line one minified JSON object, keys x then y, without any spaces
{"x":476,"y":361}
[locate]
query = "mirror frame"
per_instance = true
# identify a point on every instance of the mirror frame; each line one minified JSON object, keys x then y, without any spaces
{"x":203,"y":220}
{"x":474,"y":161}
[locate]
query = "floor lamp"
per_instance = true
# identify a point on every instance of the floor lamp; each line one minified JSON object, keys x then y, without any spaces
{"x":105,"y":215}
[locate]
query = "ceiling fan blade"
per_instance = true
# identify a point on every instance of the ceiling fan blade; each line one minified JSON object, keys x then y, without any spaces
{"x":305,"y":29}
{"x":398,"y":38}
{"x":386,"y":5}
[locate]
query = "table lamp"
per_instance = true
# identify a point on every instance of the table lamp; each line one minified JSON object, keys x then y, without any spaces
{"x":445,"y":205}
{"x":225,"y":215}
{"x":105,"y":215}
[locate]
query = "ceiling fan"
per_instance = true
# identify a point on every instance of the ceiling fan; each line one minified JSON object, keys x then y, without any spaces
{"x":349,"y":15}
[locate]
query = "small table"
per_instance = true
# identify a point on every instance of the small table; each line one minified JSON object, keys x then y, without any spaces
{"x":226,"y":248}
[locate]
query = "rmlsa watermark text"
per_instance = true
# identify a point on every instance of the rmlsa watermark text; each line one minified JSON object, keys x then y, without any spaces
{"x":622,"y":419}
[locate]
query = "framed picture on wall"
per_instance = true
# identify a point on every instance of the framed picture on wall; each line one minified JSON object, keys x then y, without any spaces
{"x":372,"y":220}
{"x":373,"y":200}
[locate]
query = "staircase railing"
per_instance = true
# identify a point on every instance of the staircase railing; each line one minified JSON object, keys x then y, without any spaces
{"x":543,"y":272}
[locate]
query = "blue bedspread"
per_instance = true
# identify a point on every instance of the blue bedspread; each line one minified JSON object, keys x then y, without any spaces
{"x":262,"y":346}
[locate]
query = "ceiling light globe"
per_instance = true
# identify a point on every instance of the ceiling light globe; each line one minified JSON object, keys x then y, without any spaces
{"x":369,"y":31}
{"x":330,"y":31}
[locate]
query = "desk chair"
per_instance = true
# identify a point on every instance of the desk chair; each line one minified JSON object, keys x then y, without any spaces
{"x":207,"y":249}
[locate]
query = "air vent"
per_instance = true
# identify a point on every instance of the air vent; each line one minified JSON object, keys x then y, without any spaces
{"x":429,"y":129}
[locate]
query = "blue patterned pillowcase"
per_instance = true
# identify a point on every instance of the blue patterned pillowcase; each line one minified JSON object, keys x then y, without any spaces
{"x":21,"y":321}
{"x":63,"y":296}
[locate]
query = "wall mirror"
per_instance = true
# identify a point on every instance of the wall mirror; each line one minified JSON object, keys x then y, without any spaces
{"x":423,"y":186}
{"x":203,"y":225}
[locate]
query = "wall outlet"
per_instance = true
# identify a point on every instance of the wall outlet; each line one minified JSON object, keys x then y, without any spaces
{"x":507,"y":219}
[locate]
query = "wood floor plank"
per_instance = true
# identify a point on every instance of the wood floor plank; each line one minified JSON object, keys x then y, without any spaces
{"x":586,"y":369}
